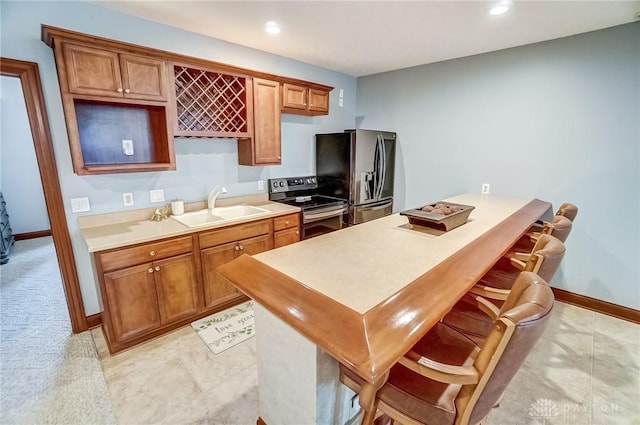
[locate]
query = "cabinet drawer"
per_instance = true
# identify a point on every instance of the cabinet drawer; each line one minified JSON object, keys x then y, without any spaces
{"x":148,"y":252}
{"x":234,"y":233}
{"x":285,"y":222}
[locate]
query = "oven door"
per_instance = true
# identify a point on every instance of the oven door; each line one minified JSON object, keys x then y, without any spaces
{"x":368,"y":212}
{"x":316,"y":222}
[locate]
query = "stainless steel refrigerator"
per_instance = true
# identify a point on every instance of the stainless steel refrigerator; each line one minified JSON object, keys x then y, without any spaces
{"x":358,"y":166}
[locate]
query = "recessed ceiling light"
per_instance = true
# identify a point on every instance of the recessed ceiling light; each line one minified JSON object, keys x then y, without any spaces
{"x":272,"y":27}
{"x":500,"y":8}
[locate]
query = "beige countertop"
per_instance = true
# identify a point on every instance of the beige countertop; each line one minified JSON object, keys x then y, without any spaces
{"x":115,"y":230}
{"x":363,"y":265}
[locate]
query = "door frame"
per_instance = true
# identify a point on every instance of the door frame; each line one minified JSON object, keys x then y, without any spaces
{"x":29,"y":76}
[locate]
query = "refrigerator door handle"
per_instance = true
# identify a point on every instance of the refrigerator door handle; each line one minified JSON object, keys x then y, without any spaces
{"x":383,"y":165}
{"x":380,"y":165}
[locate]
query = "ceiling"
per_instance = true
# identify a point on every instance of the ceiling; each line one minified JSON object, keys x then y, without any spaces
{"x":361,"y":38}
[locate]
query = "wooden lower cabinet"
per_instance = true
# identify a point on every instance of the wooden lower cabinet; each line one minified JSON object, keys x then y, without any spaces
{"x":132,"y":301}
{"x":143,"y":298}
{"x":286,"y":237}
{"x":151,"y":288}
{"x":216,"y":289}
{"x":177,"y":288}
{"x":286,"y":230}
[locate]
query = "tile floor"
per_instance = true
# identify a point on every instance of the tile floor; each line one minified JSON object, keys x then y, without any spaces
{"x":585,"y":370}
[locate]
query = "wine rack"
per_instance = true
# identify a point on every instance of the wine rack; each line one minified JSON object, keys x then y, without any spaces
{"x":211,"y":104}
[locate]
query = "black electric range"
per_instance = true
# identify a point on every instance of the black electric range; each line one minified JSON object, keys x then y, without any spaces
{"x":320,"y":214}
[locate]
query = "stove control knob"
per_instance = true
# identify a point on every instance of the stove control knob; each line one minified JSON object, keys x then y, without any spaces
{"x":313,"y":180}
{"x":281,"y":184}
{"x":275,"y":184}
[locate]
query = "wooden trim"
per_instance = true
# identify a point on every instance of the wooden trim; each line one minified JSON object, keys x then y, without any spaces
{"x":36,"y":111}
{"x":49,"y":33}
{"x":599,"y":306}
{"x":370,"y":343}
{"x":32,"y":235}
{"x":260,"y":421}
{"x":94,"y":320}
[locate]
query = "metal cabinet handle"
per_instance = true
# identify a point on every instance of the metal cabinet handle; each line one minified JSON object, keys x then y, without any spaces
{"x":150,"y":270}
{"x":237,"y":248}
{"x":127,"y":90}
{"x":241,"y":247}
{"x":119,"y":90}
{"x":286,"y":223}
{"x":297,"y":232}
{"x":152,"y":253}
{"x":157,"y":268}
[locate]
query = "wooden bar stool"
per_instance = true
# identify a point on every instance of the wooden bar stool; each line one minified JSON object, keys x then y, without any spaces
{"x":446,"y":379}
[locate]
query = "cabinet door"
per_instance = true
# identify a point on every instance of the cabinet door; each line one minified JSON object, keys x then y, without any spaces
{"x":92,"y":71}
{"x":132,"y":301}
{"x":177,"y":288}
{"x":294,"y":97}
{"x":319,"y":101}
{"x":286,"y":237}
{"x":143,"y":77}
{"x":216,"y":289}
{"x":266,"y":121}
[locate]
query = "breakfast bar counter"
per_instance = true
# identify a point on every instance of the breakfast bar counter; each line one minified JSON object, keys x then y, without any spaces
{"x":363,"y":296}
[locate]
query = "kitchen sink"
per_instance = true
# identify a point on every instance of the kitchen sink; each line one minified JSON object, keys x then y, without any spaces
{"x":218,"y":215}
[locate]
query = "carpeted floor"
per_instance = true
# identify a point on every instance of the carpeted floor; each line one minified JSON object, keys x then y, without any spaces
{"x":48,"y":375}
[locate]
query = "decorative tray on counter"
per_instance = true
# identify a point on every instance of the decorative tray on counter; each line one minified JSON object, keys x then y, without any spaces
{"x":439,"y":215}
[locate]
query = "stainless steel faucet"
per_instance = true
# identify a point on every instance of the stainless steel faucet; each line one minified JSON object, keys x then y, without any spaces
{"x":213,"y":195}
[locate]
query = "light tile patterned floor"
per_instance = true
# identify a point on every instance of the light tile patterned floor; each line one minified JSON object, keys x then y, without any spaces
{"x":585,"y":370}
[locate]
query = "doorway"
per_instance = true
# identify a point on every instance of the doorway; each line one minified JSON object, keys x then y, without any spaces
{"x":29,"y":76}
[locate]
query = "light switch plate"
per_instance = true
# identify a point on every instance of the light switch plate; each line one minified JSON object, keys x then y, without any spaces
{"x":80,"y":205}
{"x":260,"y":184}
{"x":127,"y":199}
{"x":156,"y":195}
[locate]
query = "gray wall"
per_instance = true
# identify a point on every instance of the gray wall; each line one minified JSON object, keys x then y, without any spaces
{"x":19,"y":176}
{"x":201,"y":164}
{"x":558,"y":120}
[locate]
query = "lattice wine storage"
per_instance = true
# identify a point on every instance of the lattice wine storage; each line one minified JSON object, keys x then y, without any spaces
{"x":210,"y":104}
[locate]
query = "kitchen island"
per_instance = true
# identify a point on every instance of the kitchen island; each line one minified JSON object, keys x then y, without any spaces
{"x":363,"y":296}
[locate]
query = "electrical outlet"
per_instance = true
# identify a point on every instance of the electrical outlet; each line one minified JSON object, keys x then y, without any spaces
{"x":127,"y":199}
{"x":485,"y":188}
{"x":341,"y":102}
{"x":80,"y":205}
{"x":156,"y":195}
{"x":127,"y":147}
{"x":260,"y":184}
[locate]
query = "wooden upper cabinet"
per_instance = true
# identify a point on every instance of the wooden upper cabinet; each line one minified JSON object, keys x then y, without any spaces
{"x":304,"y":100}
{"x":319,"y":101}
{"x":101,"y":72}
{"x":295,"y":97}
{"x":264,"y":147}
